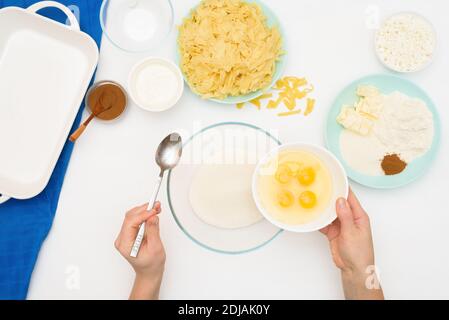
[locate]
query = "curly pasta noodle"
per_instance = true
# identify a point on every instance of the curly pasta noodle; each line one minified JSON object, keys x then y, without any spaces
{"x":227,"y":49}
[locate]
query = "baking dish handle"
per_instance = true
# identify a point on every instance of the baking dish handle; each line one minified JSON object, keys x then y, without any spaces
{"x":46,"y":4}
{"x":3,"y":198}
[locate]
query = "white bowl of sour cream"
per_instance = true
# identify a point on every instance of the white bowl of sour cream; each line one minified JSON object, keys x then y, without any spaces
{"x":155,"y":84}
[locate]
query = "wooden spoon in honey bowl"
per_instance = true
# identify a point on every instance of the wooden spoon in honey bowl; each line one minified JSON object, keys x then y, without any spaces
{"x":105,"y":103}
{"x":107,"y":100}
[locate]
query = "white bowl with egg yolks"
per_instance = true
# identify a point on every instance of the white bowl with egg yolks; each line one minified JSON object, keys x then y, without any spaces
{"x":325,"y":213}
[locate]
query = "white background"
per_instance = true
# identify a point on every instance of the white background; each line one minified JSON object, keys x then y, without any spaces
{"x":112,"y":170}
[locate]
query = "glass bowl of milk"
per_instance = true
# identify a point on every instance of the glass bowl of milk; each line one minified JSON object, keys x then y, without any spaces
{"x":136,"y":25}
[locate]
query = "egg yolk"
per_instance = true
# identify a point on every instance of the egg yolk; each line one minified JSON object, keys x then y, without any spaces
{"x":283,"y":174}
{"x":307,"y":199}
{"x":285,"y":198}
{"x":294,"y":166}
{"x":306,"y":176}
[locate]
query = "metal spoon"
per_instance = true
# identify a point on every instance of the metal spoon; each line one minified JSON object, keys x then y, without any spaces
{"x":167,"y":157}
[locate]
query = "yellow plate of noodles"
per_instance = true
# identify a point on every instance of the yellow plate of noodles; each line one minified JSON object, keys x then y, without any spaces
{"x":231,"y":51}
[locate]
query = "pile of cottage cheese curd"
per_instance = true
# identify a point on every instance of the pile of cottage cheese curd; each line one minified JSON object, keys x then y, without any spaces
{"x":405,"y":42}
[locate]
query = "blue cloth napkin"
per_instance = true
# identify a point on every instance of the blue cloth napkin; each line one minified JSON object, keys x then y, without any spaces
{"x":24,"y":225}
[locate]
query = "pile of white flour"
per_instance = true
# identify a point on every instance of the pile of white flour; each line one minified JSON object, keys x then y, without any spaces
{"x":405,"y":127}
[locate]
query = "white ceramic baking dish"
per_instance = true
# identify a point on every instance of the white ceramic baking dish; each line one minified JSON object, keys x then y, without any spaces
{"x":45,"y":70}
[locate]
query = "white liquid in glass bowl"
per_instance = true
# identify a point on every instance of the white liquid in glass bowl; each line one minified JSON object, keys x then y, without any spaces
{"x":136,"y":25}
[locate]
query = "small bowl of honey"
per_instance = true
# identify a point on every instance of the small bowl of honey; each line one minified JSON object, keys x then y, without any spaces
{"x":106,"y":100}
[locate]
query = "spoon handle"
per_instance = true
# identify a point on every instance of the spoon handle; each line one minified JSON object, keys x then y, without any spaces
{"x":84,"y":125}
{"x":77,"y":133}
{"x":140,"y":234}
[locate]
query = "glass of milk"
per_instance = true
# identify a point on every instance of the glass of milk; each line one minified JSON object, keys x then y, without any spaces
{"x":136,"y":25}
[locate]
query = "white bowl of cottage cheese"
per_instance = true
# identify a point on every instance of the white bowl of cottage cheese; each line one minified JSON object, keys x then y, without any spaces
{"x":405,"y":42}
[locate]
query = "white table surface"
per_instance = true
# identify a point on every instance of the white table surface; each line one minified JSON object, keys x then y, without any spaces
{"x":112,"y":170}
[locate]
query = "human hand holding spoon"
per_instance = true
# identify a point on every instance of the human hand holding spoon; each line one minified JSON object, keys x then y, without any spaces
{"x":167,"y":157}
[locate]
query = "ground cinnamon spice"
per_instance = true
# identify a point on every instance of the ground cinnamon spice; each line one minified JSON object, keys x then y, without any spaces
{"x":392,"y":164}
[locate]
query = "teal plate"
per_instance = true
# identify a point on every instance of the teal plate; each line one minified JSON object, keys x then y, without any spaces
{"x":386,"y":84}
{"x":272,"y":21}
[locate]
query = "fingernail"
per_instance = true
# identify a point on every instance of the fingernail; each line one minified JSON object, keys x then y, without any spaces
{"x":342,"y":204}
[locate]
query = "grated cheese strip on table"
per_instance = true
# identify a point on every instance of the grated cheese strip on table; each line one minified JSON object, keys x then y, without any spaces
{"x":310,"y":106}
{"x":256,"y":102}
{"x":289,"y":113}
{"x":289,"y":91}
